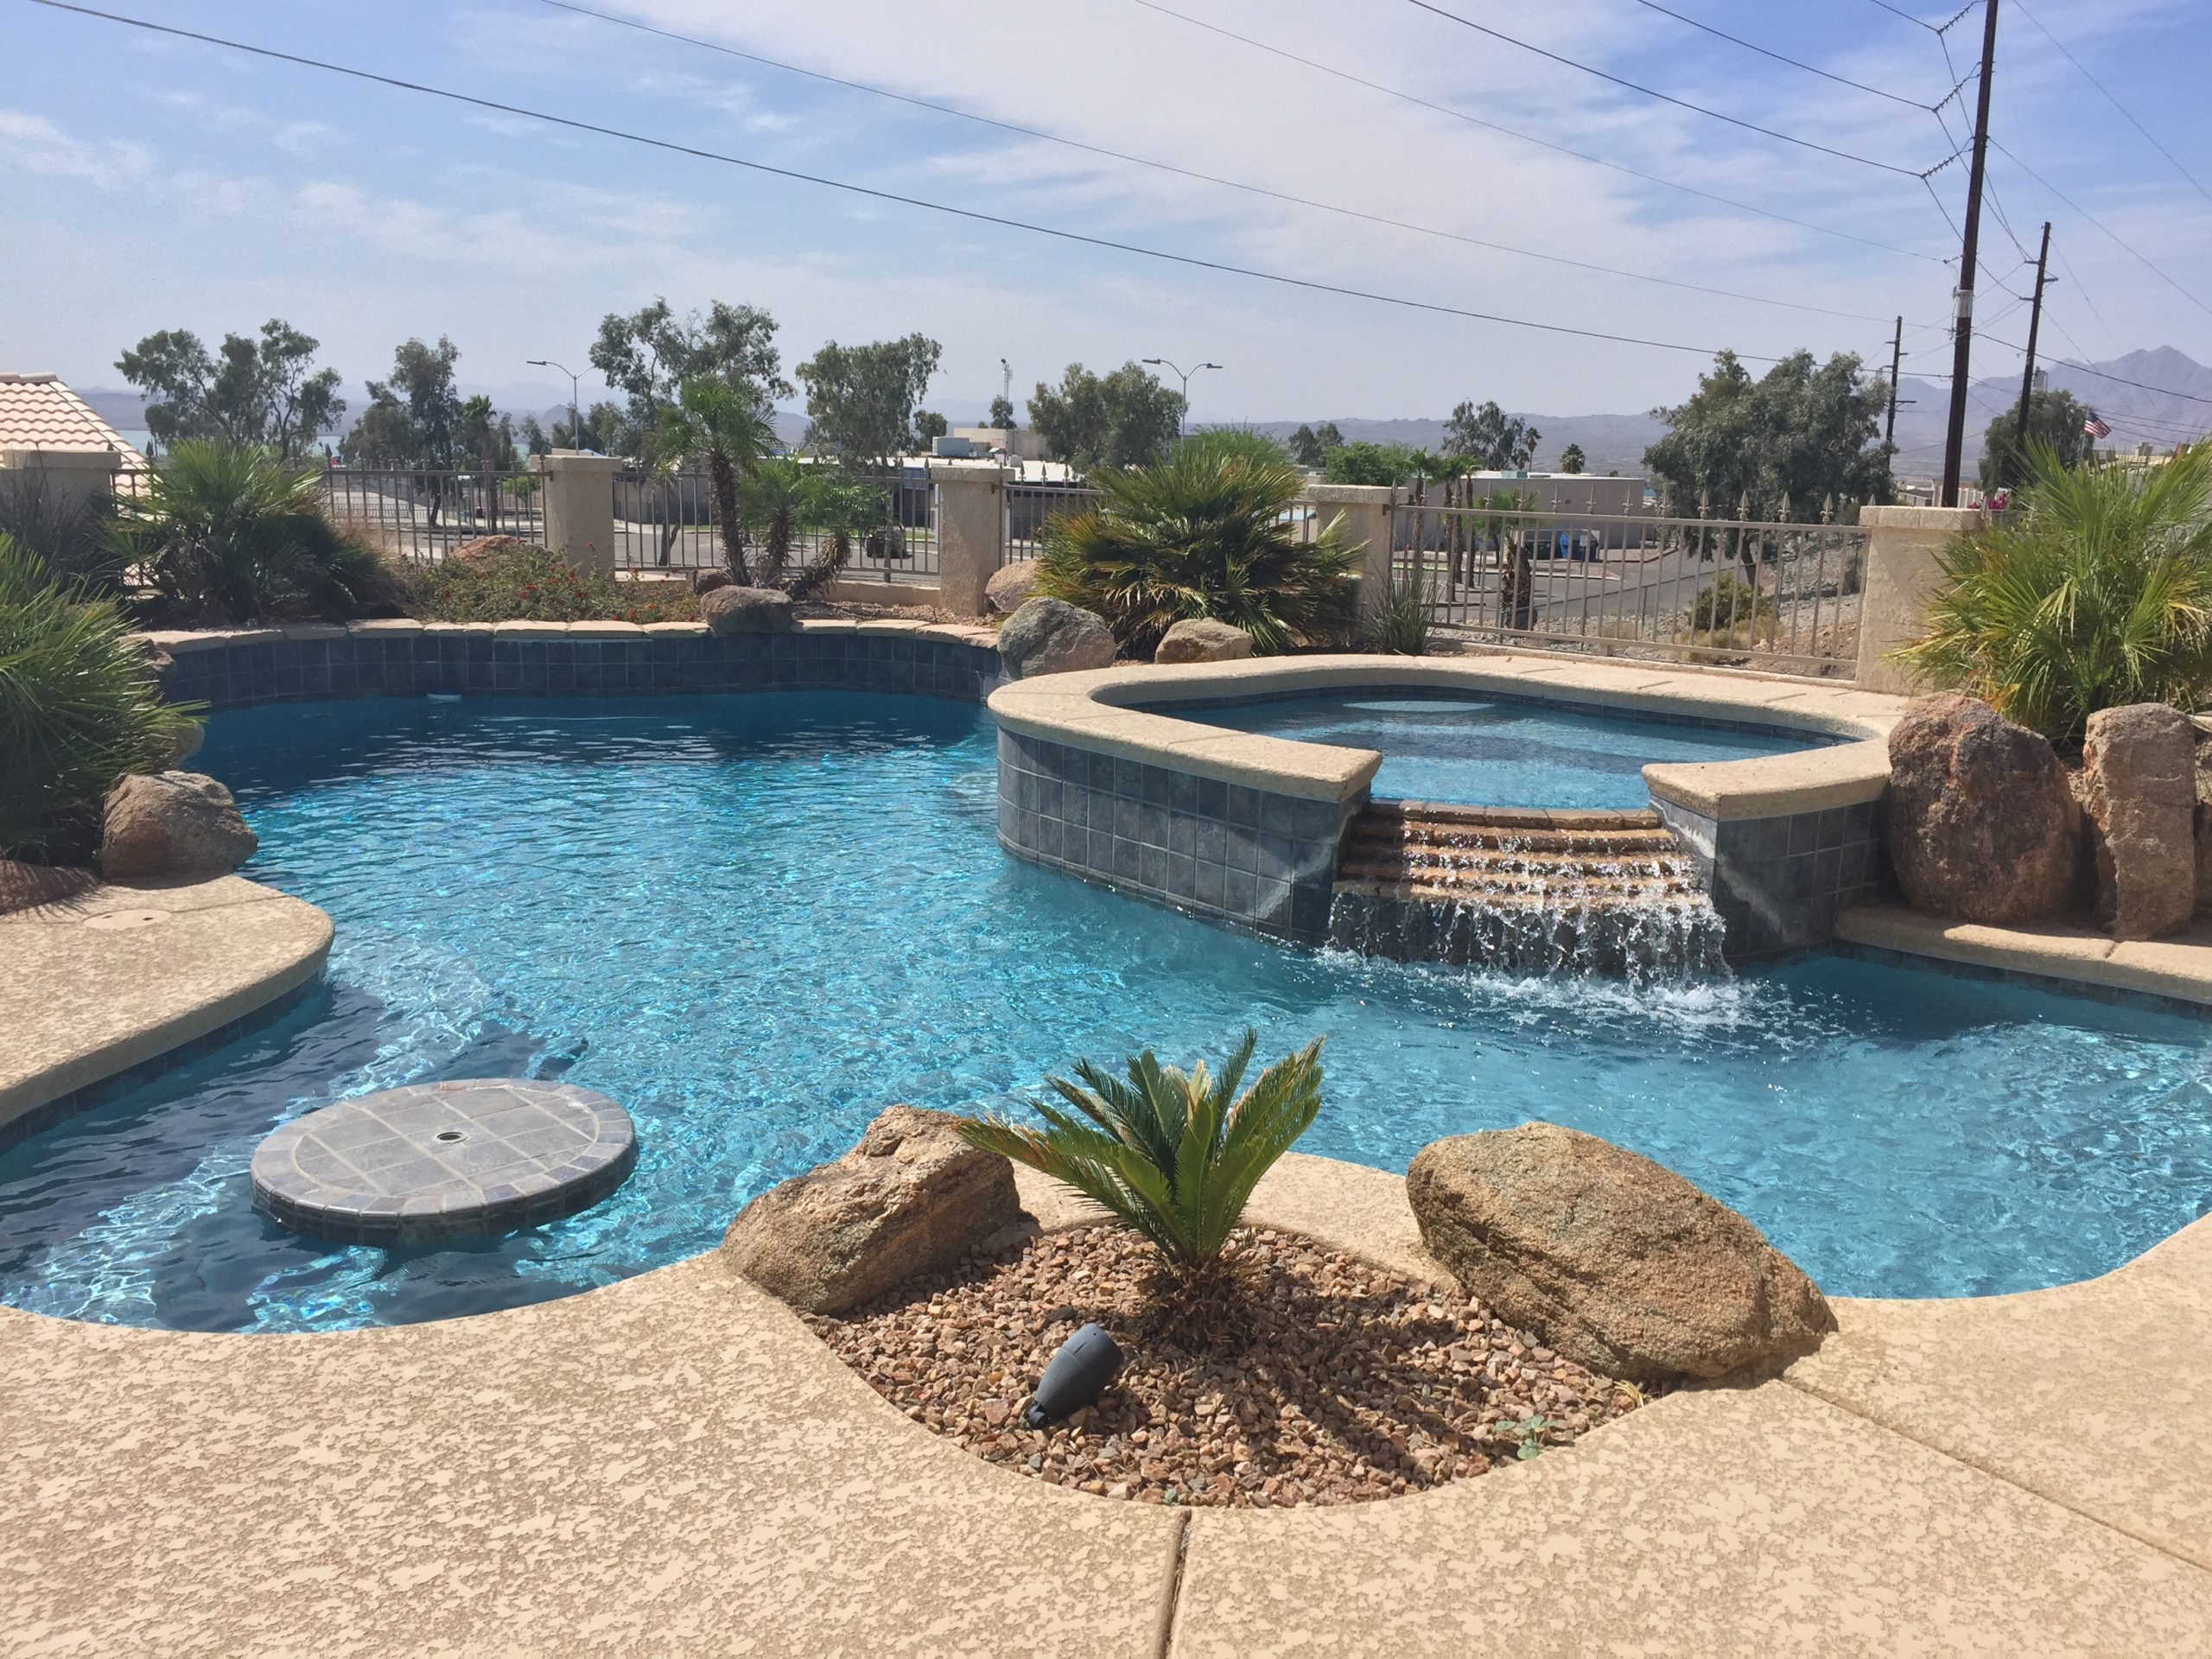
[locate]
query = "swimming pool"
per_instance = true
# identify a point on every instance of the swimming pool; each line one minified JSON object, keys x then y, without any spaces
{"x":1485,"y":752}
{"x":757,"y":919}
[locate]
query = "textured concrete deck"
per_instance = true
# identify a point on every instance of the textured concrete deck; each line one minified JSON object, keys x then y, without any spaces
{"x":97,"y":984}
{"x":2180,"y":968}
{"x":673,"y":1465}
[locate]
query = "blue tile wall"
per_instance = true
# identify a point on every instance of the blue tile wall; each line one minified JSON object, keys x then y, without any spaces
{"x":1259,"y":860}
{"x":1778,"y":882}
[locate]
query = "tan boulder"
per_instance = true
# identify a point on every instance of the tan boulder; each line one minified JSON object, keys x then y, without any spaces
{"x":1982,"y":821}
{"x":1010,"y":587}
{"x":706,"y":581}
{"x":172,"y":823}
{"x":1050,"y":636}
{"x":1618,"y":1263}
{"x":740,"y":609}
{"x":911,"y":1198}
{"x":2139,"y":787}
{"x":1202,"y":640}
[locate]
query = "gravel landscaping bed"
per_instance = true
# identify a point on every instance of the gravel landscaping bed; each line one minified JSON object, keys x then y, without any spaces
{"x":1340,"y":1384}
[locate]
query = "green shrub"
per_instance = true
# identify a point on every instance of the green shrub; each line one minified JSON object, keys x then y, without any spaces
{"x":1727,"y":604}
{"x":229,"y":533}
{"x":1174,"y":1155}
{"x":518,"y":581}
{"x":72,"y":532}
{"x":2097,"y":593}
{"x":1220,"y":443}
{"x":1200,"y":535}
{"x":78,"y":709}
{"x":1399,"y":625}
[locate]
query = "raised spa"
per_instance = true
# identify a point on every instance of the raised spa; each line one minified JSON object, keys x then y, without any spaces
{"x":753,"y":921}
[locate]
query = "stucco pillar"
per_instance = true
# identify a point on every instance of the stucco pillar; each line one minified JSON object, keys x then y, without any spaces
{"x":970,"y":524}
{"x":1369,"y":512}
{"x":1901,"y":576}
{"x":579,"y":506}
{"x":69,"y":477}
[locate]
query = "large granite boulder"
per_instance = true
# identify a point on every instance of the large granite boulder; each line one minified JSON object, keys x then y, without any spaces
{"x":1050,"y":636}
{"x":1983,"y":825}
{"x":740,"y":609}
{"x":1010,"y":587}
{"x":2139,"y":787}
{"x":911,"y":1198}
{"x":711,"y":578}
{"x":172,"y":823}
{"x":1619,"y":1264}
{"x":2203,"y":820}
{"x":1202,"y":640}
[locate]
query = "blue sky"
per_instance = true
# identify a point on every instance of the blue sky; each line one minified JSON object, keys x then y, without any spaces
{"x":152,"y":183}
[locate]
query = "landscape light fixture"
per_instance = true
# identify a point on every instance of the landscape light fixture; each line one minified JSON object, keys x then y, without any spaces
{"x":1074,"y":1376}
{"x":1184,"y":377}
{"x":575,"y":436}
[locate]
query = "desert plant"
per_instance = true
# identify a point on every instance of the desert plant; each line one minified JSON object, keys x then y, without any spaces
{"x":69,"y":529}
{"x":228,"y":532}
{"x":1726,"y":603}
{"x":78,"y":709}
{"x":522,"y":583}
{"x":783,"y":498}
{"x":1201,"y":535}
{"x":1223,"y":441}
{"x":2097,"y":593}
{"x":1399,"y":624}
{"x":719,"y":426}
{"x":1174,"y":1155}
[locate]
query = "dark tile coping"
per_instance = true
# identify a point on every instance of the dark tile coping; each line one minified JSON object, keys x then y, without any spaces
{"x":251,"y":667}
{"x":1172,"y":706}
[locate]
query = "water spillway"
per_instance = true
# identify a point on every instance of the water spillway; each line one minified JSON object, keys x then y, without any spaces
{"x":1523,"y":891}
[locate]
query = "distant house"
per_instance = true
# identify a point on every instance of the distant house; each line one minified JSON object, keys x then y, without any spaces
{"x":46,"y":428}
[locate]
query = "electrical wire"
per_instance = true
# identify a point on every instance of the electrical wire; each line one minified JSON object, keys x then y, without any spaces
{"x":2110,"y":99}
{"x":971,"y":214}
{"x":1205,"y":178}
{"x":1419,"y":102}
{"x":2118,"y":379}
{"x":1795,"y":63}
{"x":1667,"y":98}
{"x":1908,"y":16}
{"x":2140,"y":257}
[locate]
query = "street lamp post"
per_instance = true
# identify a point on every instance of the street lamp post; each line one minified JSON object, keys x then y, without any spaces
{"x":1184,"y":377}
{"x":575,"y":435}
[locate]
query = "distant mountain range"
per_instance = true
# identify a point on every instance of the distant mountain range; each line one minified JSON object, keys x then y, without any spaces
{"x":1616,"y":443}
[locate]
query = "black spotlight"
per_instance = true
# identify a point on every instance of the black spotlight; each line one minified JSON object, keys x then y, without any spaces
{"x":1077,"y":1375}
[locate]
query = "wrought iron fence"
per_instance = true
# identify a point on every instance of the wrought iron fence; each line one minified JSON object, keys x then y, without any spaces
{"x":1775,"y":593}
{"x":1030,"y":508}
{"x":667,"y":521}
{"x":422,"y":513}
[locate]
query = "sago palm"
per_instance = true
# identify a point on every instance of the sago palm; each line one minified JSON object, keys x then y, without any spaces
{"x":714,"y":424}
{"x":78,"y":709}
{"x":2098,"y":594}
{"x":1202,"y":534}
{"x":1174,"y":1155}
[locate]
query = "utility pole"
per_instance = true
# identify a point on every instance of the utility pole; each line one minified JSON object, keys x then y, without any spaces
{"x":2028,"y":374}
{"x":1962,"y":301}
{"x":1897,"y":359}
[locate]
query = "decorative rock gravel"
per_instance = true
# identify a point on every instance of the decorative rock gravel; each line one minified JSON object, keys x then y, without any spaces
{"x":1345,"y":1384}
{"x":443,"y":1161}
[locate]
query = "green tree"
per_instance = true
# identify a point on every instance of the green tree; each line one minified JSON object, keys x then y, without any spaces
{"x":1572,"y":460}
{"x":1384,"y":463}
{"x":1001,"y":414}
{"x":1802,"y":431}
{"x":259,"y":391}
{"x":1489,"y":438}
{"x":2096,"y":593}
{"x":1128,"y":418}
{"x":648,"y":355}
{"x":719,"y":426}
{"x":2055,"y":420}
{"x":485,"y":437}
{"x":1202,"y":534}
{"x":603,"y":429}
{"x":413,"y":418}
{"x":928,"y":426}
{"x":860,"y":399}
{"x":784,"y":497}
{"x":1306,"y":447}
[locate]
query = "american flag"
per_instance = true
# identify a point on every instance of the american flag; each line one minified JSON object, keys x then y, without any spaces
{"x":2095,"y":428}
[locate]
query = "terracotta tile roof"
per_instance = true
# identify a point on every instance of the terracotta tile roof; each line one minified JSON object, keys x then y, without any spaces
{"x":39,"y":411}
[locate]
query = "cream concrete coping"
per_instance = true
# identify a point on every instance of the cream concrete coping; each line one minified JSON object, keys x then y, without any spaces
{"x":1090,"y":710}
{"x":128,"y":972}
{"x":2179,"y":968}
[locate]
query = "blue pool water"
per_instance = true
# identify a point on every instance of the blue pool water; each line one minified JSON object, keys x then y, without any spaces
{"x":1486,"y":754}
{"x":756,"y":920}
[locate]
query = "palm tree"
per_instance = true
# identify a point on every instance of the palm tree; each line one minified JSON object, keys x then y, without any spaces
{"x":715,"y":424}
{"x":1202,"y":534}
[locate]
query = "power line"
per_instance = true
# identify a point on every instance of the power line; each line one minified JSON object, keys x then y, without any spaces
{"x":2110,"y":99}
{"x":1527,"y":138}
{"x":2056,"y":362}
{"x":1908,"y":16}
{"x":1204,"y":178}
{"x":1666,"y":98}
{"x":2141,"y":258}
{"x":969,"y":214}
{"x":1795,"y":63}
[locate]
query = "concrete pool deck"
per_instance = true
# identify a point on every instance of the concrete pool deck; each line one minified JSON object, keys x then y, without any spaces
{"x":674,"y":1464}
